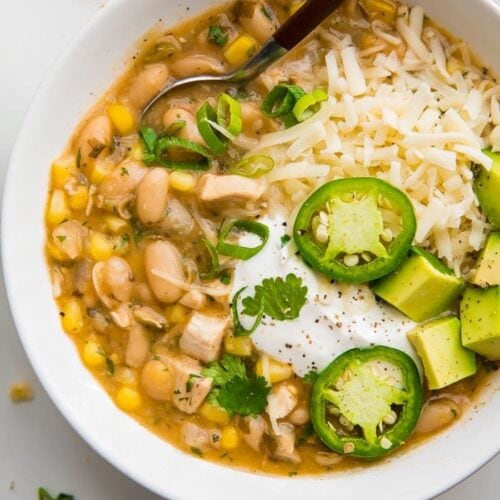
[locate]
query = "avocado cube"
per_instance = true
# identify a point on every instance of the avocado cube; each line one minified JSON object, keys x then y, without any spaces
{"x":487,"y":187}
{"x":480,"y":316}
{"x":488,"y":265}
{"x":439,"y":347}
{"x":422,"y":287}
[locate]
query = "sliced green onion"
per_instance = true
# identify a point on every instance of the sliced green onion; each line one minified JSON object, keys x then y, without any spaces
{"x":148,"y":135}
{"x":173,"y":128}
{"x":308,"y":104}
{"x":239,"y":329}
{"x":281,"y":100}
{"x":229,"y":114}
{"x":238,"y":251}
{"x":214,"y":139}
{"x":253,"y":166}
{"x":289,"y":120}
{"x":214,"y":256}
{"x":164,"y":144}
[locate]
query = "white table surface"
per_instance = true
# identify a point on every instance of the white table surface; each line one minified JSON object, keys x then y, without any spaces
{"x":37,"y":446}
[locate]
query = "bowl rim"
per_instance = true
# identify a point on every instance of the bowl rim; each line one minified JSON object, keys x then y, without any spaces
{"x":80,"y":427}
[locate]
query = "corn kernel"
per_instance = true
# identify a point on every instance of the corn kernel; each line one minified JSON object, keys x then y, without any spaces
{"x":78,"y":201}
{"x":230,"y":439}
{"x":383,"y":10}
{"x":295,"y":7}
{"x":100,"y":170}
{"x":182,"y":181}
{"x":214,"y":413}
{"x":20,"y":392}
{"x":93,"y":354}
{"x":115,"y":224}
{"x":136,"y":152}
{"x":58,"y":209}
{"x":101,"y":247}
{"x":272,"y":369}
{"x":55,"y":252}
{"x":128,"y":399}
{"x":177,"y":313}
{"x":241,"y":50}
{"x":62,"y":170}
{"x":239,"y":346}
{"x":71,"y":316}
{"x":122,"y":118}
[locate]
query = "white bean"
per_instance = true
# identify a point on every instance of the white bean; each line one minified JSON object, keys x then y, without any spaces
{"x":196,"y":65}
{"x":437,"y":414}
{"x":123,"y":179}
{"x":257,"y":20}
{"x":147,"y":84}
{"x":95,"y":135}
{"x":164,"y":257}
{"x":119,"y":278}
{"x":157,"y":380}
{"x":152,"y":196}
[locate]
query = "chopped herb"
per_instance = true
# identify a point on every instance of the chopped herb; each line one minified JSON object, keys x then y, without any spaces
{"x":110,"y":366}
{"x":310,"y":377}
{"x":454,"y":412}
{"x":217,"y":35}
{"x":306,"y":434}
{"x":124,"y":171}
{"x":137,"y":229}
{"x":43,"y":494}
{"x":196,"y":451}
{"x":78,"y":158}
{"x":281,"y":299}
{"x":233,"y":389}
{"x":221,"y":372}
{"x":97,"y":147}
{"x":242,"y":94}
{"x":285,"y":239}
{"x":214,"y":258}
{"x":292,"y":473}
{"x":245,"y":396}
{"x":61,"y":237}
{"x":266,"y":12}
{"x":124,"y":240}
{"x":225,"y":277}
{"x":190,"y":382}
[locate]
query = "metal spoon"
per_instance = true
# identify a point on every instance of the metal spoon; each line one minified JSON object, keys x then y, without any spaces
{"x":295,"y":29}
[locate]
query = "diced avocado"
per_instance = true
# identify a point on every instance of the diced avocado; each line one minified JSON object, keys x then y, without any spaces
{"x":444,"y":358}
{"x":422,"y":287}
{"x":487,"y":187}
{"x":488,"y":265}
{"x":480,"y":316}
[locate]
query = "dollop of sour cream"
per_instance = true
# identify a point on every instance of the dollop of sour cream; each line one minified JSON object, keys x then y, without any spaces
{"x":336,"y":317}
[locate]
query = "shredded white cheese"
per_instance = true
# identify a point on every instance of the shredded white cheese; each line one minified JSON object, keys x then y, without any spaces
{"x":413,"y":110}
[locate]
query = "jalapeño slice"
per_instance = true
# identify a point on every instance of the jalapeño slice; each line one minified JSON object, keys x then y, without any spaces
{"x":355,"y":229}
{"x":367,"y":401}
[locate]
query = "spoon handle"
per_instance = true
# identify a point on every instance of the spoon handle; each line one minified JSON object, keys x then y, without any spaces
{"x":308,"y":17}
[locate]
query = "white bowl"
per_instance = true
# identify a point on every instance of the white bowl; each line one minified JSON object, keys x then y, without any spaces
{"x":89,"y":66}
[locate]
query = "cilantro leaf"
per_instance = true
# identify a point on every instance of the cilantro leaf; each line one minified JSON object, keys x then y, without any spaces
{"x":282,"y":298}
{"x":285,"y":239}
{"x":243,"y":395}
{"x":217,"y":35}
{"x":43,"y":494}
{"x":229,"y":367}
{"x":233,"y":390}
